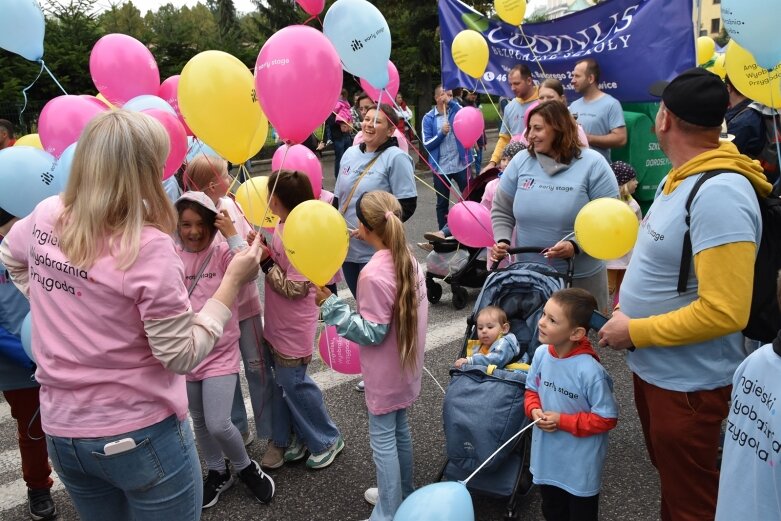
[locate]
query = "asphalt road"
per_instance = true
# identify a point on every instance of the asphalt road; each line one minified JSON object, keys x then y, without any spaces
{"x":630,"y":486}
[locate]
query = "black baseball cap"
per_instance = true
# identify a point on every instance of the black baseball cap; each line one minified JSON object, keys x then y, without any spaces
{"x":696,"y":96}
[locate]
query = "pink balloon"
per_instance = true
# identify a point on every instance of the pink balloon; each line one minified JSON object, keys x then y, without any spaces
{"x":403,"y":144}
{"x":312,"y":7}
{"x":298,"y":77}
{"x":168,"y":91}
{"x":123,"y":68}
{"x":470,"y":224}
{"x":340,"y":354}
{"x":302,"y":159}
{"x":468,"y":125}
{"x":392,"y":87}
{"x":177,"y":140}
{"x":63,"y":119}
{"x":93,"y":99}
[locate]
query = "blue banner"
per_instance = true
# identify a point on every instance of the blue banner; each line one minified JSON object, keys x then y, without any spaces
{"x":635,"y":42}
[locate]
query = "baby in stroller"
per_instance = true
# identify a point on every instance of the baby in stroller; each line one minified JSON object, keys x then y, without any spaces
{"x":495,"y":345}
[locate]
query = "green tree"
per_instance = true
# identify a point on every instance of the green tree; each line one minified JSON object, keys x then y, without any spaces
{"x":125,"y":19}
{"x":274,"y":15}
{"x":180,"y":34}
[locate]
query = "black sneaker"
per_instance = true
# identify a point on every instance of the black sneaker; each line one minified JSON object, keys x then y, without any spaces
{"x":215,"y":484}
{"x":258,"y":482}
{"x":41,"y":504}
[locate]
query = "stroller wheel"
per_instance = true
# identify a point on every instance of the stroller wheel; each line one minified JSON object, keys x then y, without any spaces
{"x":460,"y":297}
{"x":434,"y":291}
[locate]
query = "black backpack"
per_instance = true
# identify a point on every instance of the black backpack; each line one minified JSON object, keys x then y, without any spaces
{"x":768,"y":157}
{"x":764,"y":320}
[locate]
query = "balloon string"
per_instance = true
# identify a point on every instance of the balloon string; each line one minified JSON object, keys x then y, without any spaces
{"x":498,"y":112}
{"x":529,"y":46}
{"x":435,"y":380}
{"x":24,"y":93}
{"x":53,"y":78}
{"x":464,"y":482}
{"x":327,"y":343}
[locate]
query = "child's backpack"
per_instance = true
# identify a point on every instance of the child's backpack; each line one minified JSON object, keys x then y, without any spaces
{"x":768,"y":157}
{"x":764,"y":320}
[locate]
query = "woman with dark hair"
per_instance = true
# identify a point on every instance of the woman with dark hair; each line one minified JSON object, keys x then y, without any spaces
{"x":542,"y":191}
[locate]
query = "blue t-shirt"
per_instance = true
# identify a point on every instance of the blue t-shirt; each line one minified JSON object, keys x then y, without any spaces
{"x":750,"y":479}
{"x":393,"y":172}
{"x":725,"y":210}
{"x":13,"y":308}
{"x":545,"y":206}
{"x":513,"y":122}
{"x":570,"y":385}
{"x":598,"y":117}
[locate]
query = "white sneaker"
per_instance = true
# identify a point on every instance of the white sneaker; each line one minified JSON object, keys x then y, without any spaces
{"x":371,"y":495}
{"x":360,"y":386}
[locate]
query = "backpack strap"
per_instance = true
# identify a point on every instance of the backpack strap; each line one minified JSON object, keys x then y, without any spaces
{"x":686,"y":253}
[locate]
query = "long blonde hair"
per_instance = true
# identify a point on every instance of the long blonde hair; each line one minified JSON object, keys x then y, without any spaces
{"x":115,"y":189}
{"x":383,"y":213}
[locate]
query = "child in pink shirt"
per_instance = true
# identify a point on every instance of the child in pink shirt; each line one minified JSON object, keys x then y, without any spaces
{"x":209,"y":174}
{"x":390,"y":326}
{"x":626,"y":176}
{"x":211,"y":384}
{"x":291,"y":323}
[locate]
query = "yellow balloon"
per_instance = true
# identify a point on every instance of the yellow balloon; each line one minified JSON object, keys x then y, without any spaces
{"x":30,"y":140}
{"x":218,"y":101}
{"x":705,"y":49}
{"x":470,"y":52}
{"x":750,"y":79}
{"x":606,"y":228}
{"x":316,"y":240}
{"x":252,"y":196}
{"x":102,"y":98}
{"x":511,"y":11}
{"x":718,"y":67}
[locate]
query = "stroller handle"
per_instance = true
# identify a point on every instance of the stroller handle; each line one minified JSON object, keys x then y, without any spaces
{"x":537,"y":249}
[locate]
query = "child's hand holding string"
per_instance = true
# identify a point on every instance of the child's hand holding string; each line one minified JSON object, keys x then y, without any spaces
{"x":225,"y":224}
{"x":321,"y":295}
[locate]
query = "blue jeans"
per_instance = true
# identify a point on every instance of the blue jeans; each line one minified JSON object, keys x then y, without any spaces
{"x":260,"y":381}
{"x":391,"y":444}
{"x":298,"y":403}
{"x":443,"y":193}
{"x":351,"y":270}
{"x":158,"y":480}
{"x":340,"y":146}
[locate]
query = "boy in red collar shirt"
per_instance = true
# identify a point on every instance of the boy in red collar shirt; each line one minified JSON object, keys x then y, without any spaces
{"x":571,"y":395}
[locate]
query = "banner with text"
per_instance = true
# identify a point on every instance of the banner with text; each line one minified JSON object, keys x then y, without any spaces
{"x":635,"y":42}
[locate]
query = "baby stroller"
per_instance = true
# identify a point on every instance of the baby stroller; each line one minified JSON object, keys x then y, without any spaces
{"x":483,"y":406}
{"x":454,"y":263}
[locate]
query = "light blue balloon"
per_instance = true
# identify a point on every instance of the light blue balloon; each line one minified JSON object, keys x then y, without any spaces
{"x":27,"y":335}
{"x":22,"y":27}
{"x":196,"y":147}
{"x":754,"y":25}
{"x":62,"y":168}
{"x":27,"y":177}
{"x":147,"y":101}
{"x":362,"y":39}
{"x":446,"y":501}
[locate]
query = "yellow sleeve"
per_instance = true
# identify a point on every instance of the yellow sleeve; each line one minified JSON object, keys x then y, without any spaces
{"x":726,"y":282}
{"x":500,"y":144}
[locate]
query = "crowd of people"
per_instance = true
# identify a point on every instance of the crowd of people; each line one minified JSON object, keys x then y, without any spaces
{"x":144,"y":309}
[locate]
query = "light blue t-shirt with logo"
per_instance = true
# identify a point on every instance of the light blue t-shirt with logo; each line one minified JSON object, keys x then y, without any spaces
{"x":545,"y":206}
{"x":513,"y":122}
{"x":598,"y":117}
{"x":393,"y":172}
{"x":725,"y":210}
{"x":750,"y":479}
{"x":568,"y":386}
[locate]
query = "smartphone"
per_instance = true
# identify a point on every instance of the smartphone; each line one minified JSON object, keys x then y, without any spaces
{"x":119,"y":446}
{"x":597,"y":320}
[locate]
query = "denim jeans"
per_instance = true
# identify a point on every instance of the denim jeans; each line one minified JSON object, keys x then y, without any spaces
{"x":158,"y":480}
{"x":298,"y":404}
{"x":260,"y":381}
{"x":443,"y":188}
{"x":391,"y":444}
{"x":351,"y":270}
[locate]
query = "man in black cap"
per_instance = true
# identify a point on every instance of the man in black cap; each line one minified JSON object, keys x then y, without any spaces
{"x":685,"y":339}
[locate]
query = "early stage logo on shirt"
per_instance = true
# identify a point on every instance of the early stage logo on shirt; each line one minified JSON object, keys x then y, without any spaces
{"x":562,"y":390}
{"x":527,"y":184}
